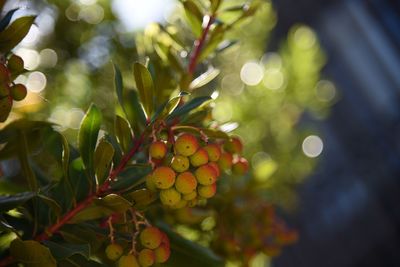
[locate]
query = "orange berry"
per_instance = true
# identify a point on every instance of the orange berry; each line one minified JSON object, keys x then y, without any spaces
{"x":128,"y":261}
{"x":206,"y":175}
{"x":151,"y":237}
{"x":180,"y":163}
{"x":146,"y":257}
{"x":18,"y":92}
{"x":214,"y":151}
{"x":234,"y":145}
{"x":162,"y":253}
{"x":216,"y":168}
{"x":164,"y":177}
{"x":207,"y":191}
{"x":186,"y":145}
{"x":114,"y":251}
{"x":241,"y":166}
{"x":170,"y":197}
{"x":158,"y":150}
{"x":190,"y":196}
{"x":186,"y":183}
{"x":225,"y":161}
{"x":15,"y":64}
{"x":199,"y":158}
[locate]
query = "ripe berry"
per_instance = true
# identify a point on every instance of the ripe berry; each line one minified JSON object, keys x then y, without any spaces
{"x":151,"y":237}
{"x":190,"y":196}
{"x":164,"y":177}
{"x":241,"y":166}
{"x":15,"y":64}
{"x":186,"y":145}
{"x":207,"y":191}
{"x":4,"y":74}
{"x":18,"y":92}
{"x":170,"y":197}
{"x":225,"y":161}
{"x":214,"y":151}
{"x":114,"y":251}
{"x":146,"y":257}
{"x":180,"y":163}
{"x":165,"y":239}
{"x":234,"y":145}
{"x":158,"y":150}
{"x":162,"y":253}
{"x":128,"y":261}
{"x":206,"y":175}
{"x":186,"y":183}
{"x":216,"y":168}
{"x":199,"y":158}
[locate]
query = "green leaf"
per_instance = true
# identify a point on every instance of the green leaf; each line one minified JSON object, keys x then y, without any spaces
{"x":142,"y":197}
{"x":204,"y":78}
{"x":6,"y":19}
{"x":78,"y":234}
{"x":103,"y":160}
{"x":64,"y":250}
{"x":123,"y":132}
{"x":14,"y":33}
{"x":186,"y":108}
{"x":54,"y":206}
{"x":144,"y":83}
{"x":23,"y":154}
{"x":215,"y":5}
{"x":131,"y":177}
{"x":194,"y":17}
{"x":210,"y":133}
{"x":13,"y":201}
{"x":92,"y":212}
{"x":31,"y":253}
{"x":114,"y":202}
{"x":65,"y":164}
{"x":118,"y":84}
{"x":134,"y":111}
{"x":216,"y":37}
{"x":168,"y":107}
{"x":87,"y":137}
{"x":79,"y":260}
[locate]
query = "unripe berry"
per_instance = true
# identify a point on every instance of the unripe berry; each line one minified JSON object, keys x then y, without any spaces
{"x":206,"y":175}
{"x":18,"y":92}
{"x":180,"y":163}
{"x":4,"y":74}
{"x":199,"y":158}
{"x":234,"y":145}
{"x":214,"y":151}
{"x":192,"y":203}
{"x":164,"y":177}
{"x":114,"y":251}
{"x":207,"y":191}
{"x":186,"y":145}
{"x":128,"y":261}
{"x":216,"y":168}
{"x":4,"y":90}
{"x":158,"y":150}
{"x":146,"y":257}
{"x":170,"y":197}
{"x":15,"y":64}
{"x":151,"y":183}
{"x":151,"y":237}
{"x":162,"y":253}
{"x":186,"y":183}
{"x":241,"y":166}
{"x":181,"y":204}
{"x":225,"y":161}
{"x":5,"y":107}
{"x":190,"y":196}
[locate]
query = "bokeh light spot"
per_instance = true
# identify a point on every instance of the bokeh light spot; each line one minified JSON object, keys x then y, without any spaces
{"x":31,"y":58}
{"x":312,"y":146}
{"x":36,"y":82}
{"x":251,"y":73}
{"x":325,"y":91}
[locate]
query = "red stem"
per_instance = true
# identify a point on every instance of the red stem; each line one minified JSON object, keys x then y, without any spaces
{"x":198,"y":45}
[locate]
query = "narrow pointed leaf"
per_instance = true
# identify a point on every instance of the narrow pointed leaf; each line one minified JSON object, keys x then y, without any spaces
{"x":144,"y":83}
{"x":194,"y":17}
{"x":114,"y":202}
{"x":189,"y":106}
{"x":64,"y":250}
{"x":123,"y":132}
{"x":103,"y":160}
{"x":14,"y":33}
{"x":131,"y":177}
{"x":7,"y":18}
{"x":204,"y":78}
{"x":118,"y":84}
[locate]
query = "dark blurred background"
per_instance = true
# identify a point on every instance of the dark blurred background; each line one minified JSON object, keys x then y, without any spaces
{"x":349,"y":212}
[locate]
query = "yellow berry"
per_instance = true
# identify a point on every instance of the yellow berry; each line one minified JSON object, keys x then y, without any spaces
{"x":214,"y":151}
{"x":162,"y":253}
{"x":186,"y":145}
{"x":170,"y":197}
{"x":15,"y":64}
{"x":240,"y":167}
{"x":164,"y":177}
{"x":158,"y":150}
{"x":180,"y":163}
{"x":146,"y":257}
{"x":151,"y":237}
{"x":18,"y":92}
{"x":114,"y":251}
{"x":234,"y":145}
{"x":207,"y":191}
{"x":216,"y":168}
{"x":128,"y":261}
{"x":225,"y":161}
{"x":181,"y":204}
{"x":192,"y":203}
{"x":151,"y":183}
{"x":190,"y":196}
{"x":206,"y":175}
{"x":185,"y":183}
{"x":199,"y":158}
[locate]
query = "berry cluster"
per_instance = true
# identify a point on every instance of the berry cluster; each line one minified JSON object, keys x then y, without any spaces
{"x":189,"y":174}
{"x":155,"y":248}
{"x":9,"y":91}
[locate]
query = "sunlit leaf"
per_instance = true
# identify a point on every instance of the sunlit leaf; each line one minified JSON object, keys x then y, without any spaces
{"x":114,"y":202}
{"x":103,"y":160}
{"x":91,"y":213}
{"x":134,"y":111}
{"x":204,"y":78}
{"x":123,"y":132}
{"x":32,"y":253}
{"x":144,"y":83}
{"x":194,"y":17}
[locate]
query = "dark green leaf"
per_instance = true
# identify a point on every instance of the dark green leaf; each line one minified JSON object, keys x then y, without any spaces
{"x":14,"y":33}
{"x":131,"y":177}
{"x":6,"y":19}
{"x":23,"y":156}
{"x":168,"y":107}
{"x":144,"y":83}
{"x":114,"y":202}
{"x":13,"y":201}
{"x":134,"y":111}
{"x":32,"y":253}
{"x":123,"y":132}
{"x":194,"y":17}
{"x":204,"y":78}
{"x":78,"y":260}
{"x":91,"y":213}
{"x":64,"y":250}
{"x":186,"y":108}
{"x":103,"y":160}
{"x":118,"y":84}
{"x":53,"y":205}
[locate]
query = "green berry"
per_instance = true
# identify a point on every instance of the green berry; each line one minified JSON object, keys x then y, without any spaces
{"x":114,"y":251}
{"x":186,"y":145}
{"x":180,"y":163}
{"x":15,"y":64}
{"x":170,"y":197}
{"x":151,"y":237}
